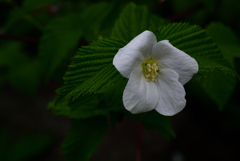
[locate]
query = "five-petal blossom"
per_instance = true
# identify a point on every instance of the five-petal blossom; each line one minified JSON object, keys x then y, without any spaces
{"x":157,"y":72}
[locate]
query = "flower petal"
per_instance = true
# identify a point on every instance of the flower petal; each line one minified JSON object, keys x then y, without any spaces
{"x":175,"y":59}
{"x":139,"y":95}
{"x":171,"y":93}
{"x":134,"y":53}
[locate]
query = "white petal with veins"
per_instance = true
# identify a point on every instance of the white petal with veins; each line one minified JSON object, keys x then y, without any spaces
{"x":175,"y":59}
{"x":171,"y":93}
{"x":139,"y":95}
{"x":134,"y":53}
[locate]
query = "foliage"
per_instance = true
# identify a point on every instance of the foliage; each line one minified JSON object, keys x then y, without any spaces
{"x":90,"y":88}
{"x":83,"y":138}
{"x":24,"y":148}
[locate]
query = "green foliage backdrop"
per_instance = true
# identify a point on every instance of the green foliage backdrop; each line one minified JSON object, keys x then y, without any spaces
{"x":73,"y":44}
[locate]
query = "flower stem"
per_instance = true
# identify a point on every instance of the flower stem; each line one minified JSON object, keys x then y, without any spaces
{"x":139,"y":141}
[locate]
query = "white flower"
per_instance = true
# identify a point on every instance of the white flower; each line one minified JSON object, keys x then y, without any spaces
{"x":157,"y":72}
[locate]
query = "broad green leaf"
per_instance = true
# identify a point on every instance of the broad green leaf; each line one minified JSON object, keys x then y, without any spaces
{"x":226,"y":39}
{"x":101,"y":69}
{"x":156,"y":121}
{"x":81,"y":108}
{"x":88,"y":106}
{"x":219,"y":86}
{"x":113,"y":96}
{"x":193,"y":40}
{"x":83,"y":138}
{"x":218,"y":76}
{"x":58,"y":43}
{"x":133,"y":20}
{"x":91,"y":70}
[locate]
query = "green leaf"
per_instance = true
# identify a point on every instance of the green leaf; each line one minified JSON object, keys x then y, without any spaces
{"x":217,"y":71}
{"x":219,"y":86}
{"x":81,"y":108}
{"x":11,"y":54}
{"x":25,"y":77}
{"x":29,"y":146}
{"x":113,"y":96}
{"x":94,"y":17}
{"x":58,"y":43}
{"x":226,"y":39}
{"x":59,"y":109}
{"x":30,"y":5}
{"x":156,"y":121}
{"x":193,"y":40}
{"x":83,"y":138}
{"x":88,"y":106}
{"x":91,"y":70}
{"x":134,"y":20}
{"x":22,"y":73}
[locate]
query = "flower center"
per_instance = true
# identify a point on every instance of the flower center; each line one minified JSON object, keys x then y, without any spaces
{"x":150,"y":70}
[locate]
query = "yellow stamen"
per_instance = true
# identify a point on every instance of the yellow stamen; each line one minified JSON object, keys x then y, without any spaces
{"x":150,"y":70}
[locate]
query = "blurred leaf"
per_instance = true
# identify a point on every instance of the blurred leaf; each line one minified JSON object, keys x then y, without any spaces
{"x":153,"y":120}
{"x":31,"y":5}
{"x":199,"y":10}
{"x":180,"y":6}
{"x":58,"y":43}
{"x":226,"y":39}
{"x":29,"y":146}
{"x":21,"y":17}
{"x":11,"y":54}
{"x":16,"y":17}
{"x":60,"y":38}
{"x":133,"y":20}
{"x":59,"y":109}
{"x":25,"y":77}
{"x":91,"y":70}
{"x":229,"y":10}
{"x":83,"y":138}
{"x":237,"y":65}
{"x":94,"y":17}
{"x":22,"y":73}
{"x":219,"y":86}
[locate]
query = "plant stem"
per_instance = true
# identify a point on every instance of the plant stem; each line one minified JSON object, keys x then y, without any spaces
{"x":139,"y":141}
